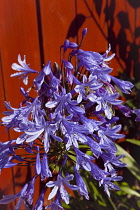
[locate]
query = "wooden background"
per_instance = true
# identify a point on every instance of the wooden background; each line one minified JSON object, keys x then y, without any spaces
{"x":36,"y":28}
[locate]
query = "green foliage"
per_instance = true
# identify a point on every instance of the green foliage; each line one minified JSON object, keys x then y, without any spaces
{"x":133,"y":141}
{"x":132,"y":165}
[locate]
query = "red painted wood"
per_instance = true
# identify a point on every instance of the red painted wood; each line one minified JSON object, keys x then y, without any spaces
{"x":19,"y":35}
{"x":56,"y":19}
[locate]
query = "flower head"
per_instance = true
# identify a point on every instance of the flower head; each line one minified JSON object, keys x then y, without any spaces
{"x":69,"y":124}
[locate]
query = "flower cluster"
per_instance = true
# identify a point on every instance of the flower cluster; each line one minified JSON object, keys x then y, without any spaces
{"x":73,"y":113}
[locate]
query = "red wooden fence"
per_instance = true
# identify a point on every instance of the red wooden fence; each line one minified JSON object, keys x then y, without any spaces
{"x":36,"y":28}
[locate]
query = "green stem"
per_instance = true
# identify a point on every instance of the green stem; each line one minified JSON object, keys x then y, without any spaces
{"x":113,"y":205}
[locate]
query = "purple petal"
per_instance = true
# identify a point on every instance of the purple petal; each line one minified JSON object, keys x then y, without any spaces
{"x":56,"y":138}
{"x":53,"y":192}
{"x":47,"y":68}
{"x":45,"y":171}
{"x":50,"y":184}
{"x":38,"y":164}
{"x":84,"y":32}
{"x":8,"y":199}
{"x":67,"y":64}
{"x":64,"y":194}
{"x":51,"y":104}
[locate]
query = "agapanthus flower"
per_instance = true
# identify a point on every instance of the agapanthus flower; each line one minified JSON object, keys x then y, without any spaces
{"x":73,"y":133}
{"x":124,"y":86}
{"x":25,"y":195}
{"x":107,"y":136}
{"x":87,"y":88}
{"x":45,"y":171}
{"x":69,"y":67}
{"x":84,"y":32}
{"x":137,"y":112}
{"x":81,"y":184}
{"x":67,"y":44}
{"x":56,"y":204}
{"x":23,"y":69}
{"x":40,"y":78}
{"x":59,"y":184}
{"x":63,"y":102}
{"x":83,"y":160}
{"x":40,"y":202}
{"x":43,"y":127}
{"x":66,"y":127}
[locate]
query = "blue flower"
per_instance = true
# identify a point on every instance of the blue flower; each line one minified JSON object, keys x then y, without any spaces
{"x":25,"y":195}
{"x":83,"y":160}
{"x":103,"y":98}
{"x":86,"y":88}
{"x":137,"y":112}
{"x":124,"y":109}
{"x":91,"y":124}
{"x":6,"y":150}
{"x":108,"y":185}
{"x":94,"y":62}
{"x":59,"y":184}
{"x":73,"y":133}
{"x":98,"y":173}
{"x":36,"y":130}
{"x":81,"y":184}
{"x":67,"y":44}
{"x":63,"y":102}
{"x":37,"y":164}
{"x":23,"y":69}
{"x":111,"y":159}
{"x":107,"y":136}
{"x":38,"y":81}
{"x":17,"y":116}
{"x":7,"y":199}
{"x":69,"y":67}
{"x":124,"y":86}
{"x":30,"y":191}
{"x":94,"y":146}
{"x":45,"y":171}
{"x":84,"y":32}
{"x":56,"y":204}
{"x":40,"y":201}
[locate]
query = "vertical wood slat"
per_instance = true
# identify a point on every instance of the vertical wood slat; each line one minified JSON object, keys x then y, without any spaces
{"x":21,"y":33}
{"x":56,"y":17}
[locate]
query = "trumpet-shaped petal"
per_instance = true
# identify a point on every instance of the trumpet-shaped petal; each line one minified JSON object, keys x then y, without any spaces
{"x":59,"y":184}
{"x":23,"y":69}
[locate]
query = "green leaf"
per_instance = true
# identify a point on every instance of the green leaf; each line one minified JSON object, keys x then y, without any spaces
{"x":129,"y":191}
{"x":132,"y":165}
{"x":66,"y":206}
{"x":134,"y":141}
{"x":138,"y":203}
{"x":83,"y":146}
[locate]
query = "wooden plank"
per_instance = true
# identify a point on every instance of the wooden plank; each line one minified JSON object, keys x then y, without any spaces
{"x":56,"y":18}
{"x":96,"y":39}
{"x":19,"y":35}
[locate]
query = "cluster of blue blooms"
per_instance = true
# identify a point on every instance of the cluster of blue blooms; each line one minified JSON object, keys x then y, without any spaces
{"x":74,"y":107}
